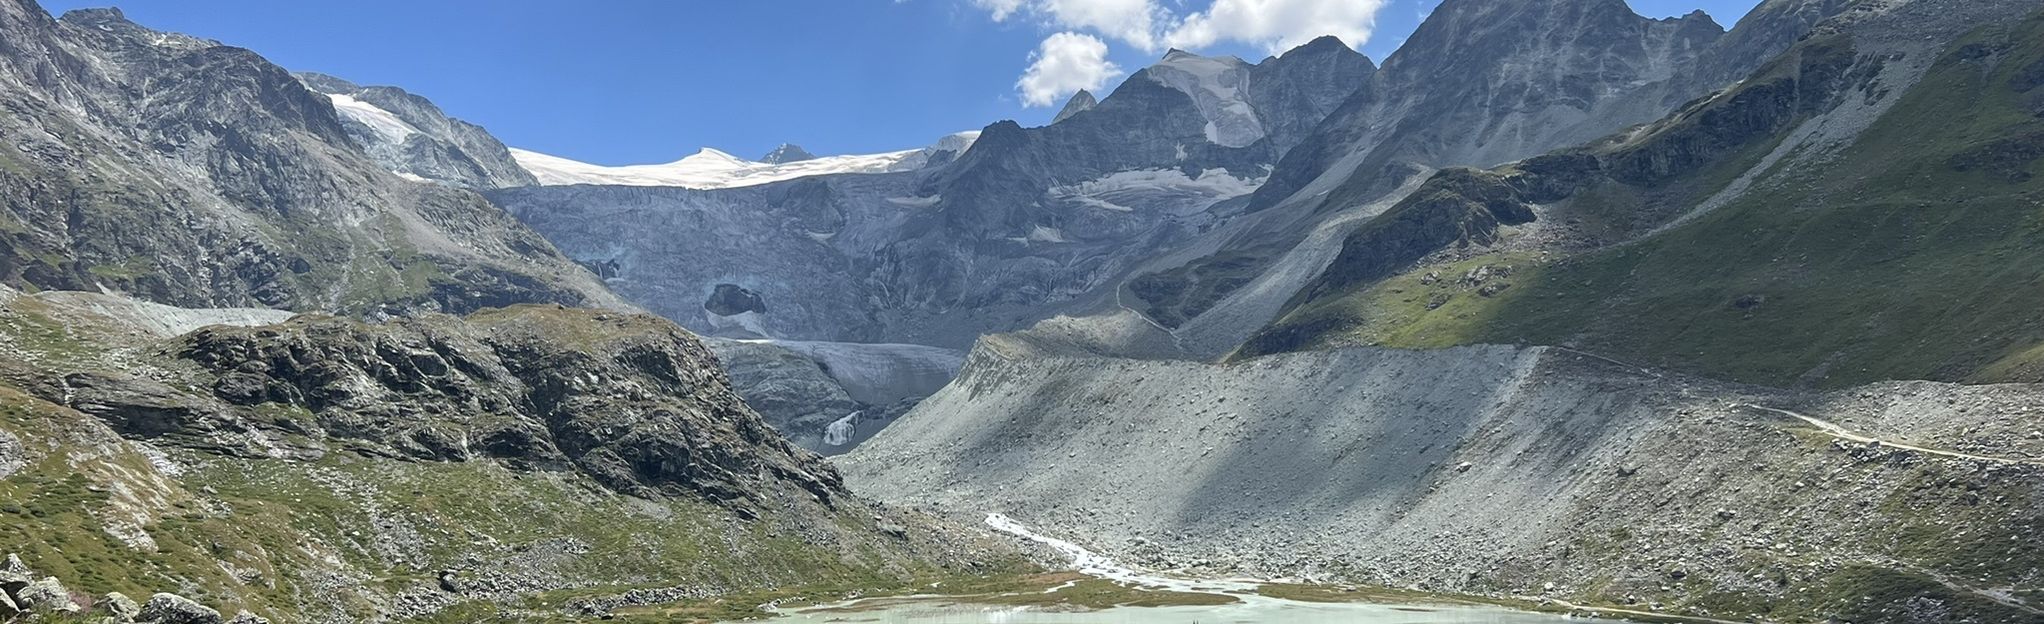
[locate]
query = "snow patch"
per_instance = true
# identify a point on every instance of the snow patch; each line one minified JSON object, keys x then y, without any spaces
{"x":382,"y":122}
{"x":1121,"y":191}
{"x":916,"y":202}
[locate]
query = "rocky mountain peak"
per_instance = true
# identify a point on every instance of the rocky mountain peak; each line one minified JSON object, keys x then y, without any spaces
{"x":1324,"y":44}
{"x":409,"y":135}
{"x":787,"y":153}
{"x":1080,"y":102}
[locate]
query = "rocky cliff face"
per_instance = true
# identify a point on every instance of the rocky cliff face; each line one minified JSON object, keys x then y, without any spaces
{"x":830,"y":396}
{"x":191,"y":173}
{"x":1834,"y":127}
{"x":410,"y":136}
{"x":1480,"y":82}
{"x":1027,"y":222}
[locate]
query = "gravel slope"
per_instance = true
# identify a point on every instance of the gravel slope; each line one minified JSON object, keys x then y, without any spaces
{"x":1486,"y":469}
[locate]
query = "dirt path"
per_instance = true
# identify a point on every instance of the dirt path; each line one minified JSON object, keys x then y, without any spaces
{"x":1835,"y":430}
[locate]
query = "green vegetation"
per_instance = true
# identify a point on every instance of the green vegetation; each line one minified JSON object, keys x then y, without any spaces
{"x":1859,"y":269}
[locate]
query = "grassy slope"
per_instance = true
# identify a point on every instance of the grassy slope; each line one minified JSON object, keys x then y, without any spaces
{"x":1904,"y":257}
{"x":299,"y":540}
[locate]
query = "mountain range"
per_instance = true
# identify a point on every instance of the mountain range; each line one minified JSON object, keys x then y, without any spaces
{"x":1559,"y":305}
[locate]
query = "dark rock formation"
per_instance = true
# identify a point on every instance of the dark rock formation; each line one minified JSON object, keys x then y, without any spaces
{"x":632,"y":400}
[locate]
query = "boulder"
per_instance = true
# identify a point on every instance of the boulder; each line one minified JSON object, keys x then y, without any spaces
{"x":45,"y":596}
{"x":120,"y":606}
{"x":244,"y":617}
{"x":165,"y":608}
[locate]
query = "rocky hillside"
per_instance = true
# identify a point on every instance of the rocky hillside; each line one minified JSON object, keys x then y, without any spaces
{"x":458,"y":424}
{"x":1504,"y":471}
{"x":229,"y":184}
{"x":531,"y":463}
{"x":1860,"y":209}
{"x":1479,"y":83}
{"x":410,"y":136}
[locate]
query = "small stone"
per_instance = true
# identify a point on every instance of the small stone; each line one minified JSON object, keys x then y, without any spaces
{"x":164,"y":608}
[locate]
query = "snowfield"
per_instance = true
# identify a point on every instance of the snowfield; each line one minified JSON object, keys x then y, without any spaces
{"x":710,"y":169}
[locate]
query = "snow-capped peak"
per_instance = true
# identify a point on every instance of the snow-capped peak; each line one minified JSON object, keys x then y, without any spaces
{"x":710,"y":168}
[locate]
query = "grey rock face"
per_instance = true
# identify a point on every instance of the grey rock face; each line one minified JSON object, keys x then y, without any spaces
{"x":1027,"y":223}
{"x":829,"y":397}
{"x":1486,"y":81}
{"x":231,"y":185}
{"x":787,"y":153}
{"x":423,"y":142}
{"x":1079,"y":103}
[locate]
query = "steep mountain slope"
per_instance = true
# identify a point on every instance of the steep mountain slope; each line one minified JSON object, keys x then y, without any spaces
{"x":1025,"y":222}
{"x":197,"y":174}
{"x":1480,"y":82}
{"x":1836,"y":219}
{"x":1499,"y":470}
{"x":409,"y":135}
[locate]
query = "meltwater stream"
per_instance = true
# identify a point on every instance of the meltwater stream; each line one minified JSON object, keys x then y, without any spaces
{"x":1251,"y":607}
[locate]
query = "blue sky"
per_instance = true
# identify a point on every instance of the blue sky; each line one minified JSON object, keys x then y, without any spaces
{"x":639,"y":81}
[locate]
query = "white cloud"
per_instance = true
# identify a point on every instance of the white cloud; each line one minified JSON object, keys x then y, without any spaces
{"x":1063,"y":64}
{"x":1000,"y":8}
{"x":1277,"y":25}
{"x":1147,"y":25}
{"x":1132,"y":21}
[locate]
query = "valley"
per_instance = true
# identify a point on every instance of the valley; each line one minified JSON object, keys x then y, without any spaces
{"x":1556,"y":311}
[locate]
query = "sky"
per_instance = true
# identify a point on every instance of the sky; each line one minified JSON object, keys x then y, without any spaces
{"x":644,"y":81}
